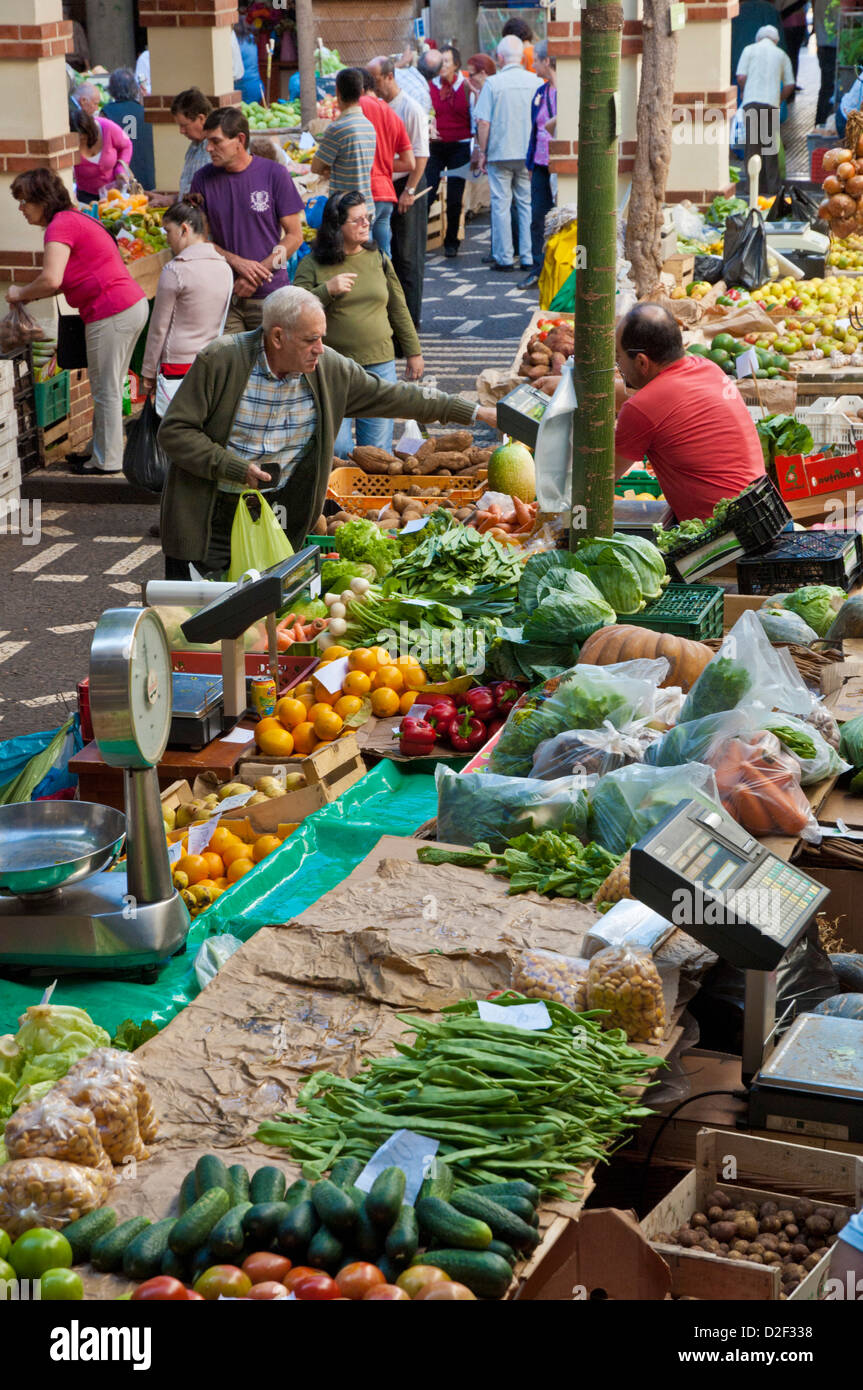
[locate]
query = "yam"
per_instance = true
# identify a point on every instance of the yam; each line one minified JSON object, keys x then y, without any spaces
{"x":558,"y":361}
{"x":718,"y":1199}
{"x":452,"y":461}
{"x":477,"y":455}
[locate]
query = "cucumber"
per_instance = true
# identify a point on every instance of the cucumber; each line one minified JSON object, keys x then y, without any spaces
{"x":238,"y":1184}
{"x":486,"y":1275}
{"x":451,"y":1227}
{"x":519,"y":1205}
{"x":193,"y":1228}
{"x":335,"y":1207}
{"x":227,"y":1236}
{"x":202,"y":1259}
{"x":174,"y":1265}
{"x":83,"y":1233}
{"x":504,"y":1224}
{"x":106,"y":1254}
{"x":267,"y":1185}
{"x":296,"y":1229}
{"x":387,"y":1195}
{"x":388,"y":1269}
{"x":367,"y":1237}
{"x":403,"y":1240}
{"x":325,"y":1250}
{"x":261,"y":1221}
{"x":499,"y":1247}
{"x":345,"y":1171}
{"x":142,"y":1258}
{"x":210,"y":1171}
{"x":299,"y":1191}
{"x":188,"y":1192}
{"x":440,"y":1181}
{"x":516,"y":1187}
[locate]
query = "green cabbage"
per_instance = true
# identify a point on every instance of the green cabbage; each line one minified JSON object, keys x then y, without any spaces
{"x":615,"y":577}
{"x":817,"y":605}
{"x":51,"y":1039}
{"x":644,"y":557}
{"x":569,"y":614}
{"x":544,"y":573}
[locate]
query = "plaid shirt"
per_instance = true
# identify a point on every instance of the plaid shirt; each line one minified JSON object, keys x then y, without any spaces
{"x":275,"y":422}
{"x":196,"y":158}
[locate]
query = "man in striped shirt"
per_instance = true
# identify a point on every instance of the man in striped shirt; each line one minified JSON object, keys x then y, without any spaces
{"x":346,"y":150}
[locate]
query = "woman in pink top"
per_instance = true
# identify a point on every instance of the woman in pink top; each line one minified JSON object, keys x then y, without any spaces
{"x":83,"y":263}
{"x":105,"y":153}
{"x":192,"y":301}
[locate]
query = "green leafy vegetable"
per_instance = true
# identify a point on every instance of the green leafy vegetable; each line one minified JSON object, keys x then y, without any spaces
{"x":627,"y":803}
{"x":783,"y":435}
{"x":130,"y":1035}
{"x":615,"y":576}
{"x":817,"y":605}
{"x":721,"y":685}
{"x":569,"y":614}
{"x":722,"y":207}
{"x":642,"y":555}
{"x":50,"y":1040}
{"x":694,"y":529}
{"x":336,"y":575}
{"x":451,"y":564}
{"x":360,"y":540}
{"x":541,"y":574}
{"x":554,"y":863}
{"x":851,"y":741}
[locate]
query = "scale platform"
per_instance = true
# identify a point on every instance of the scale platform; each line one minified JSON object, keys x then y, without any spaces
{"x":197,"y":709}
{"x":813,"y":1081}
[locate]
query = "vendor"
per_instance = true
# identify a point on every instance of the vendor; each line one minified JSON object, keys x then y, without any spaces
{"x":261,"y":410}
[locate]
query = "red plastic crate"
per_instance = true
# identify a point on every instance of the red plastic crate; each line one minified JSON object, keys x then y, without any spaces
{"x":816,"y":164}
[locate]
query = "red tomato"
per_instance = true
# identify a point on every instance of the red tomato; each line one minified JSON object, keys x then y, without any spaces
{"x":441,"y":1293}
{"x":267,"y":1290}
{"x":316,"y":1288}
{"x":291,"y":1280}
{"x":355,"y":1280}
{"x":386,"y":1293}
{"x":194,"y":1297}
{"x":162,"y":1289}
{"x":416,"y":1278}
{"x":225,"y":1280}
{"x":263,"y":1268}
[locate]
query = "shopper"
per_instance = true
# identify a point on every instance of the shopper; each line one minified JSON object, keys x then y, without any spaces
{"x":254,"y":212}
{"x":393,"y":155}
{"x":522,"y":31}
{"x":250,"y":85}
{"x":503,"y":130}
{"x":543,"y":113}
{"x":766,"y":79}
{"x":479,"y":69}
{"x":416,"y":79}
{"x":126,"y":110}
{"x":83,"y":263}
{"x":262,"y":410}
{"x":409,"y":218}
{"x":825,"y":37}
{"x":192,"y":301}
{"x":105,"y":150}
{"x":190,"y":110}
{"x":452,"y":102}
{"x":358,"y":287}
{"x":346,"y":150}
{"x":795,"y":32}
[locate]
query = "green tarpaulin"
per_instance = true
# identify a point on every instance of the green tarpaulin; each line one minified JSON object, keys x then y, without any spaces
{"x":316,"y":858}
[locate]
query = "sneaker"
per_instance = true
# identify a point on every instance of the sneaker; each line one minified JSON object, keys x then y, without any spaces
{"x":530,"y":279}
{"x":450,"y":252}
{"x":496,"y":265}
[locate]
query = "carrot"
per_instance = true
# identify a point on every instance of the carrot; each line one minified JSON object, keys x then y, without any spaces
{"x":297,"y":632}
{"x":751,"y":811}
{"x":521,"y":511}
{"x":283,"y":641}
{"x":288,"y":621}
{"x":488,"y":525}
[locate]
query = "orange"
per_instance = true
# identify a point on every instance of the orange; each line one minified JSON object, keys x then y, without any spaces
{"x":406,"y":701}
{"x":270,"y":722}
{"x":194,"y":866}
{"x":215,"y":867}
{"x":414,"y":677}
{"x":290,"y":712}
{"x":404,"y":663}
{"x":384,"y":702}
{"x":264,"y":845}
{"x":382,"y":657}
{"x":238,"y":868}
{"x":363,"y":659}
{"x":334,"y":653}
{"x":305,"y":738}
{"x":221,"y":838}
{"x":327,"y":725}
{"x":307,"y":699}
{"x":237,"y":851}
{"x":389,"y":677}
{"x":222,"y":883}
{"x":302,"y":688}
{"x":348,"y":705}
{"x":322,"y":707}
{"x":356,"y":683}
{"x":276,"y":743}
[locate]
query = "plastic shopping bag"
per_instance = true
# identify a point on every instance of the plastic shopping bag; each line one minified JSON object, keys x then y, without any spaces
{"x":18,"y":329}
{"x":748,"y":669}
{"x":745,"y":250}
{"x":256,"y":544}
{"x":145,"y":462}
{"x":554,"y":447}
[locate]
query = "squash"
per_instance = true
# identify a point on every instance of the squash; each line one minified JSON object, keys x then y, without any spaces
{"x":625,"y":642}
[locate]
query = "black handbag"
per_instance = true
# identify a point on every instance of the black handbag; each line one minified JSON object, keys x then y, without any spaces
{"x":71,"y":343}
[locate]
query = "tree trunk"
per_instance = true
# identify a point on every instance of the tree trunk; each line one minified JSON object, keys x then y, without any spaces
{"x":653,"y":150}
{"x":593,"y":422}
{"x":306,"y":61}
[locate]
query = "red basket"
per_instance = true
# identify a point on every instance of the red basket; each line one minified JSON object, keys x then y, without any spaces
{"x":816,"y":164}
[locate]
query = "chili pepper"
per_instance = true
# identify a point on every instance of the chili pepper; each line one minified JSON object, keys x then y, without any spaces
{"x":467,"y":734}
{"x":480,"y":701}
{"x":416,"y":738}
{"x":505,"y":695}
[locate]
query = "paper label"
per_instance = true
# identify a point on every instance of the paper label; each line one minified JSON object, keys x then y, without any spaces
{"x":315,"y":587}
{"x":332,"y":674}
{"x":175,"y":852}
{"x":306,"y":141}
{"x":409,"y":445}
{"x":411,"y":1152}
{"x":746,"y":363}
{"x":230,"y":803}
{"x":842,"y":323}
{"x":238,"y":736}
{"x":532,"y":1017}
{"x":417,"y":525}
{"x":200,"y":835}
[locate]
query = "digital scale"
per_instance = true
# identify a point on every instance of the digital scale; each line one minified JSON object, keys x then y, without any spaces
{"x":519,"y":414}
{"x":709,"y":876}
{"x":800,"y":244}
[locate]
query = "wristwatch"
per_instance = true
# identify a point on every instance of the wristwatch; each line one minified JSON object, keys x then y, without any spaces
{"x":411,"y":191}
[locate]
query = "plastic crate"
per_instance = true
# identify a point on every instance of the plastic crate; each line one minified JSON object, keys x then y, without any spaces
{"x":752,"y":523}
{"x":824,"y":422}
{"x":685,"y":610}
{"x":31,"y":450}
{"x":638,"y":480}
{"x":803,"y":557}
{"x":353,"y":483}
{"x":52,"y":399}
{"x":322,"y":542}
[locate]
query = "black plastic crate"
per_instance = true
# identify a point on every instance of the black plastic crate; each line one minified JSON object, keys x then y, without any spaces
{"x":31,"y":450}
{"x":23,"y":379}
{"x":685,"y":610}
{"x":803,"y":557}
{"x":25,"y":409}
{"x":752,"y":523}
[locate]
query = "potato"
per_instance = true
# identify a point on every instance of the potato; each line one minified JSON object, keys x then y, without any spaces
{"x":792,"y":1230}
{"x":783,"y":1248}
{"x":812,"y":1260}
{"x":698,"y":1219}
{"x":718,"y":1199}
{"x":798,"y":1253}
{"x":770,"y":1223}
{"x":768,"y":1242}
{"x":687,"y":1237}
{"x":746,"y":1225}
{"x":715,"y":1213}
{"x":793,"y":1272}
{"x":768,"y":1209}
{"x":771,"y":1258}
{"x":736,"y":1255}
{"x":818,"y":1225}
{"x":802,"y":1210}
{"x":742,"y":1246}
{"x":841,"y":1219}
{"x":786,"y":1216}
{"x":756,"y":1259}
{"x":723,"y":1230}
{"x":320,"y":526}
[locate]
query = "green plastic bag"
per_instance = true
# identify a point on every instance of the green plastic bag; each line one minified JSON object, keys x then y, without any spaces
{"x":564,"y":300}
{"x":256,"y":545}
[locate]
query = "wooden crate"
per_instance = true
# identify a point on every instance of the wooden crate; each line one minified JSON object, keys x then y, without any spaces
{"x":682,"y":267}
{"x":334,"y":767}
{"x":434,"y":238}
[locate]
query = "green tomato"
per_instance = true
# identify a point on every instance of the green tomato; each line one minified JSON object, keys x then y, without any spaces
{"x":38,"y":1250}
{"x":5,"y":1244}
{"x":8,"y":1281}
{"x":61,"y":1286}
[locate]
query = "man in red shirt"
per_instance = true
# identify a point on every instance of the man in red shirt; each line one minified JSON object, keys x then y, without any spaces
{"x":394,"y":155}
{"x":688,"y":418}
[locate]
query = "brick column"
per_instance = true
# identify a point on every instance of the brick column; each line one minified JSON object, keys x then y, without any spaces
{"x":190,"y":46}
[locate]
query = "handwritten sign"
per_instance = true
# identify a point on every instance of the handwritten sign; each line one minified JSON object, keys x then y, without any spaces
{"x":533,"y":1018}
{"x":413,"y":1153}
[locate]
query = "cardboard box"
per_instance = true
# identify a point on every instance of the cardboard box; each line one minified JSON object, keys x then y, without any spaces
{"x":602,"y":1252}
{"x":770,"y":1162}
{"x":176,"y":795}
{"x":842,"y":687}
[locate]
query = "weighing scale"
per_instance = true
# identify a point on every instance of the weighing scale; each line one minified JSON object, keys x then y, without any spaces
{"x":519,"y":414}
{"x":799,"y":243}
{"x":61,"y":908}
{"x":706,"y":874}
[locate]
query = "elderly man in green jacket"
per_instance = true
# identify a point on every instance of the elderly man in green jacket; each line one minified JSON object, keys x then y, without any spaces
{"x":261,"y":410}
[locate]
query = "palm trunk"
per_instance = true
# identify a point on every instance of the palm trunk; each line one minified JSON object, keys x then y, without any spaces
{"x":593,"y":425}
{"x":653,"y":151}
{"x":306,"y":61}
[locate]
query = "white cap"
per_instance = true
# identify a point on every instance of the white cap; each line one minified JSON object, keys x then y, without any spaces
{"x":767,"y":31}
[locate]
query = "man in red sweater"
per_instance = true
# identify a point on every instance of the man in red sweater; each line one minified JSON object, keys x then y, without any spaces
{"x":688,"y":418}
{"x":394,"y":155}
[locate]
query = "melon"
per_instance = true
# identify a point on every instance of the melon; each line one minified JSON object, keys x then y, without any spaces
{"x":511,"y":471}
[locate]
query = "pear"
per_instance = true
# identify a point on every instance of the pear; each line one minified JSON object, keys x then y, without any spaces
{"x":231,"y":789}
{"x":186,"y":814}
{"x":270,"y":786}
{"x":169,"y":816}
{"x":294,"y":781}
{"x":257,"y":799}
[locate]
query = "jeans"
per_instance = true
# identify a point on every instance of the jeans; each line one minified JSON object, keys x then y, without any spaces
{"x":541,"y":202}
{"x":409,"y":254}
{"x":381,"y":228}
{"x":508,"y":179}
{"x":110,"y":344}
{"x":827,"y":64}
{"x":448,"y":154}
{"x":371,"y":430}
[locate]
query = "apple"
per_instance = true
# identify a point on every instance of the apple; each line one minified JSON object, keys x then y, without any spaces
{"x":795,"y":303}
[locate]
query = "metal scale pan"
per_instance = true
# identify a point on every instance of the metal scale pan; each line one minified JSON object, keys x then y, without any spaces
{"x":47,"y":845}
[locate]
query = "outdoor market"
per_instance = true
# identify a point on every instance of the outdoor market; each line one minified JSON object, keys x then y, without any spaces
{"x":427,"y":848}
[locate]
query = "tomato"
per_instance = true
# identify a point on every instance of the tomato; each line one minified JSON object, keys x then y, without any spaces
{"x":267,"y":1291}
{"x":440,"y":1293}
{"x":316,"y":1288}
{"x":355,"y":1280}
{"x":38,"y":1250}
{"x":416,"y":1278}
{"x":162,"y":1289}
{"x":193,"y":1297}
{"x":291,"y":1280}
{"x":227,"y":1280}
{"x":8,"y":1282}
{"x":262,"y":1267}
{"x":386,"y":1293}
{"x":5,"y":1244}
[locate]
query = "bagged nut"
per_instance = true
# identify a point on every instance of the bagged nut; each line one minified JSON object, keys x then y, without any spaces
{"x":55,"y":1127}
{"x":47,"y":1192}
{"x":115,"y":1109}
{"x":547,"y":975}
{"x":112,"y":1061}
{"x":626,"y":983}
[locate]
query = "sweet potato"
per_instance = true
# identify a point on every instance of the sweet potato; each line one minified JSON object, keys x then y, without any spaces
{"x":454,"y":443}
{"x":371,"y":459}
{"x":480,"y":456}
{"x":426,"y":448}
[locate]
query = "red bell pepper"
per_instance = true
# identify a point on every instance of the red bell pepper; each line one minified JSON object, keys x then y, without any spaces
{"x":505,"y":693}
{"x":468,"y":734}
{"x":442,"y":715}
{"x":479,"y":702}
{"x":492,"y":728}
{"x":416,"y":738}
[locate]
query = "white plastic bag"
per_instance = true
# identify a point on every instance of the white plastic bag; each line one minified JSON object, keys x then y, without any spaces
{"x":215,"y":951}
{"x":553,"y":452}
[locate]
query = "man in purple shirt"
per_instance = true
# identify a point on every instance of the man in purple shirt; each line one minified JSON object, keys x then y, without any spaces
{"x":254,"y":213}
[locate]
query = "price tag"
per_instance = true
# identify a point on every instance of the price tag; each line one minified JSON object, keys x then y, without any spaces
{"x":414,"y":525}
{"x":746,"y":363}
{"x":411,"y":1152}
{"x":238,"y":736}
{"x":315,"y":587}
{"x":230,"y":803}
{"x":307,"y":141}
{"x":534,"y":1018}
{"x":332,"y":674}
{"x":842,"y":323}
{"x":199,"y":835}
{"x":175,"y":852}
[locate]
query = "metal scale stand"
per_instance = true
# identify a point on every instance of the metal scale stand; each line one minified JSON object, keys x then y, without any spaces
{"x":707,"y":875}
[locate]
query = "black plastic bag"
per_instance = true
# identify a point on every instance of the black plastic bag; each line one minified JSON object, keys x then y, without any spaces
{"x":708,"y":268}
{"x":793,"y":204}
{"x":745,"y":261}
{"x":145,"y":462}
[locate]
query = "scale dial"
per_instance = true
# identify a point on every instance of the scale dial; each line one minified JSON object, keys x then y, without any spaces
{"x":130,"y":687}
